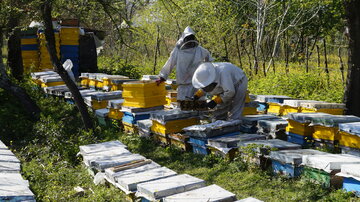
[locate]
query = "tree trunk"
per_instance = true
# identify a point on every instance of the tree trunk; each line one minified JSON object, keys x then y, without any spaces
{"x":352,"y":91}
{"x":156,"y":49}
{"x":238,"y":50}
{"x":307,"y":55}
{"x":14,"y":55}
{"x":342,"y":68}
{"x":5,"y":83}
{"x":50,"y":39}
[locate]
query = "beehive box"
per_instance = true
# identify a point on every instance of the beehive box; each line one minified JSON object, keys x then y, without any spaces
{"x":273,"y":128}
{"x":250,"y":122}
{"x":275,"y":108}
{"x":89,"y":158}
{"x":288,"y":162}
{"x":294,"y":106}
{"x":143,"y":89}
{"x":129,"y":128}
{"x":211,"y":193}
{"x":351,"y":175}
{"x":158,"y":189}
{"x":322,"y":168}
{"x":132,"y":118}
{"x":304,"y":141}
{"x":102,"y":116}
{"x":266,"y":145}
{"x":180,"y":141}
{"x":144,"y":127}
{"x":102,"y":164}
{"x":174,"y":126}
{"x":330,"y":108}
{"x":232,"y":140}
{"x":162,"y":139}
{"x":99,"y":147}
{"x":216,"y":128}
{"x":303,"y":129}
{"x":165,"y":116}
{"x":349,"y":135}
{"x":113,"y":173}
{"x":48,"y":81}
{"x":129,"y":182}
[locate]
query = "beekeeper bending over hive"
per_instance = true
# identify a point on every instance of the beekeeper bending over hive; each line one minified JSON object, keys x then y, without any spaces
{"x":227,"y":83}
{"x":186,"y":56}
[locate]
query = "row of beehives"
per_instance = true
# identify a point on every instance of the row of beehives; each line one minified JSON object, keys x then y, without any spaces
{"x":142,"y":178}
{"x":283,"y":105}
{"x":12,"y":186}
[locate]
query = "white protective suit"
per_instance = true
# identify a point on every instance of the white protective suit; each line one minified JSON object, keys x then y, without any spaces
{"x":186,"y":62}
{"x":231,"y":87}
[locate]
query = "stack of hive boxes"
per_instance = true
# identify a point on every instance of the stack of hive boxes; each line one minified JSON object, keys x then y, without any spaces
{"x":167,"y":126}
{"x":326,"y":129}
{"x":294,"y":106}
{"x":69,"y":46}
{"x":114,"y":107}
{"x":29,"y":50}
{"x":114,"y":82}
{"x":250,"y":106}
{"x":140,"y":98}
{"x":349,"y":138}
{"x":45,"y":61}
{"x":200,"y":134}
{"x":299,"y":129}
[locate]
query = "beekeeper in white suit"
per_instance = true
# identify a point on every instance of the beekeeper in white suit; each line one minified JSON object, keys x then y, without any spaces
{"x":186,"y":56}
{"x":227,"y":83}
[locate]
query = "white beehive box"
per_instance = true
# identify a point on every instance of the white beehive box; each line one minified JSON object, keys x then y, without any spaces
{"x":329,"y":162}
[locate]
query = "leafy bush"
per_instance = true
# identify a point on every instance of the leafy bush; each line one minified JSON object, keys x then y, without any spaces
{"x":118,"y":66}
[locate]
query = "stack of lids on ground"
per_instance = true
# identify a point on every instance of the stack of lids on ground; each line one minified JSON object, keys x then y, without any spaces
{"x":69,"y":46}
{"x":250,"y":122}
{"x":349,"y":138}
{"x":12,"y":186}
{"x":140,"y":98}
{"x":29,"y":49}
{"x":273,"y":128}
{"x":199,"y":134}
{"x":167,"y":126}
{"x":142,"y":178}
{"x":250,"y":105}
{"x":45,"y":61}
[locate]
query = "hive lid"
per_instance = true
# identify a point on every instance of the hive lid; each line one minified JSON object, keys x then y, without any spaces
{"x":297,"y":103}
{"x":264,"y":98}
{"x":212,"y":193}
{"x":329,"y":162}
{"x":350,"y":170}
{"x":352,"y":128}
{"x":99,"y":147}
{"x":293,"y":157}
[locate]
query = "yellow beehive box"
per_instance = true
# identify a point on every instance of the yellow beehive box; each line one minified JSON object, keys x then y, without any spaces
{"x":143,"y":89}
{"x":145,"y":102}
{"x":299,"y":128}
{"x":99,"y":104}
{"x":170,"y":100}
{"x":99,"y":84}
{"x":30,"y":54}
{"x":57,"y":83}
{"x":175,"y":126}
{"x":289,"y":109}
{"x":69,"y":42}
{"x":328,"y":111}
{"x":162,"y":139}
{"x":247,"y":97}
{"x":348,"y":140}
{"x":275,"y":108}
{"x":29,"y":41}
{"x":85,"y":81}
{"x":325,"y":133}
{"x":69,"y":31}
{"x":249,"y":111}
{"x":92,"y":83}
{"x":115,"y":114}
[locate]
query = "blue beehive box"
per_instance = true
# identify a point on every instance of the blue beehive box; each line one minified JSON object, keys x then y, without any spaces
{"x":132,"y":118}
{"x":197,"y":149}
{"x":288,"y":162}
{"x":304,"y":141}
{"x":351,"y":177}
{"x":29,"y":47}
{"x":263,"y":106}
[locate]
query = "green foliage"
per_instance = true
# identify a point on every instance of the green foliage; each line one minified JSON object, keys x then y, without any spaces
{"x":116,"y":65}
